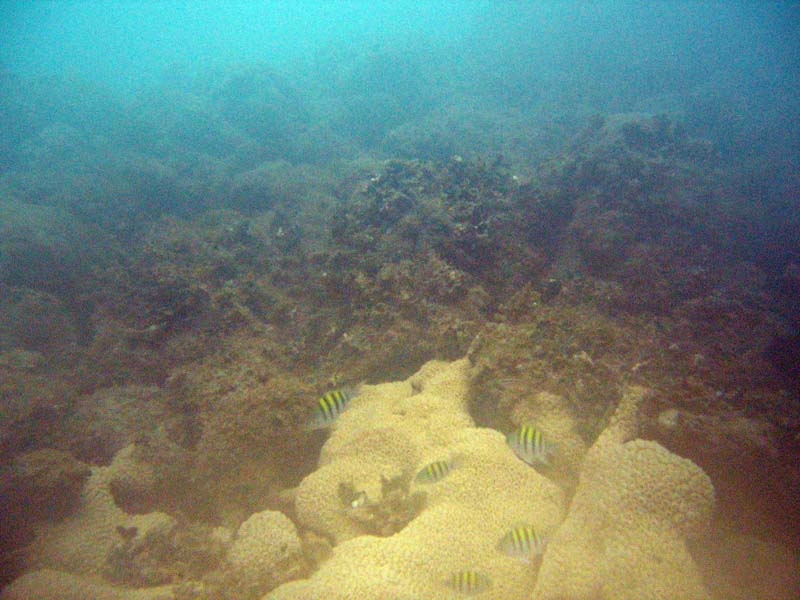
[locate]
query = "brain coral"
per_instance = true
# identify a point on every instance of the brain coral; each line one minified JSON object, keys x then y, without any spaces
{"x":624,"y":536}
{"x":393,"y":430}
{"x":264,"y":543}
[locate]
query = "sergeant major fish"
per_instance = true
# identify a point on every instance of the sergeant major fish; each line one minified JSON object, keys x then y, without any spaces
{"x":436,"y":471}
{"x":469,"y":582}
{"x":522,"y":541}
{"x":328,"y":408}
{"x":530,"y":445}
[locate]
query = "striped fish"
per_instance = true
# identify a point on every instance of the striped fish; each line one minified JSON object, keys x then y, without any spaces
{"x":530,"y":445}
{"x":469,"y":582}
{"x":522,"y":542}
{"x":328,"y":408}
{"x":435,"y":471}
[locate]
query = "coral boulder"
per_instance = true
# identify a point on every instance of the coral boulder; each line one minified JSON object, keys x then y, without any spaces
{"x":625,"y":534}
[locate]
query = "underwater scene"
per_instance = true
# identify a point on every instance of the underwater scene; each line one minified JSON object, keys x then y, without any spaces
{"x":411,"y":300}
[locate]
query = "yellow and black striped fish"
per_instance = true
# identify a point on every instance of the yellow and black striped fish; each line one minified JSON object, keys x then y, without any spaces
{"x":530,"y":445}
{"x":522,"y":541}
{"x":469,"y":582}
{"x":435,"y":471}
{"x":328,"y":408}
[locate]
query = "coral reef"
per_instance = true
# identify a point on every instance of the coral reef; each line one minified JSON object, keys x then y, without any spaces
{"x":745,"y":458}
{"x":175,"y":554}
{"x":625,"y":534}
{"x":266,"y":551}
{"x":392,"y":430}
{"x":81,"y":542}
{"x":241,"y":429}
{"x":386,"y":513}
{"x":178,"y":333}
{"x":567,"y":349}
{"x":631,"y":191}
{"x":105,"y":422}
{"x":700,"y":362}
